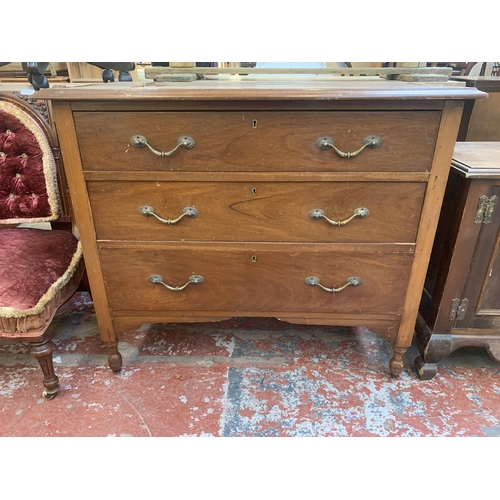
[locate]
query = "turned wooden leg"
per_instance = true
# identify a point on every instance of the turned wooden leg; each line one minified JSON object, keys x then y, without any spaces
{"x":396,"y":364}
{"x":438,"y":346}
{"x":114,"y":356}
{"x":42,"y":351}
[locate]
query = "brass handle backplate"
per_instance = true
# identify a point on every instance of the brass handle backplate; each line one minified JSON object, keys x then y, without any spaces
{"x":372,"y":141}
{"x":139,"y":141}
{"x":190,"y":212}
{"x":196,"y":279}
{"x":353,"y":281}
{"x":359,"y":213}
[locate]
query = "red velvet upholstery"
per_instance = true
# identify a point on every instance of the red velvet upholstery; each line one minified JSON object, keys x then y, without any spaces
{"x":27,"y":169}
{"x":24,"y":253}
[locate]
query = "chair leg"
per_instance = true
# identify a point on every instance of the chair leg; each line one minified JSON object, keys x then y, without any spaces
{"x":42,"y":351}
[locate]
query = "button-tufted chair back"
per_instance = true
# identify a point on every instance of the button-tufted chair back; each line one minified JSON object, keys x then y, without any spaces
{"x":28,"y":187}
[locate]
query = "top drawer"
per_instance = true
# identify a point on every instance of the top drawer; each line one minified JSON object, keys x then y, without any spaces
{"x":258,"y":141}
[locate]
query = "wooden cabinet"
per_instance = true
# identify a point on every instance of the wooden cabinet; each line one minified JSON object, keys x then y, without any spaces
{"x":461,"y":302}
{"x":311,"y":201}
{"x":481,"y":119}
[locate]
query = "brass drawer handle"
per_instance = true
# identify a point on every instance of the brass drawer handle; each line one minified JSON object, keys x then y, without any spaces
{"x":353,"y":281}
{"x":190,"y":212}
{"x":196,"y":279}
{"x":372,"y":141}
{"x":359,"y":213}
{"x":139,"y":141}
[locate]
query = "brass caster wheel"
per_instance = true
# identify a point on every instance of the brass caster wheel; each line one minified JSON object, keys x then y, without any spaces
{"x":46,"y":394}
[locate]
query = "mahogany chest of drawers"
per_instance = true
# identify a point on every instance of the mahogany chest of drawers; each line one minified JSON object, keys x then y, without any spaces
{"x":310,"y":201}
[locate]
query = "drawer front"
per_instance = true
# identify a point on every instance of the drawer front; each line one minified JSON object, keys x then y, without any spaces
{"x":259,"y":211}
{"x":258,"y":141}
{"x":255,"y":277}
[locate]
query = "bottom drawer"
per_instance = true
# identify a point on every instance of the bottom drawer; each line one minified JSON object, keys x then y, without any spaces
{"x":255,"y":277}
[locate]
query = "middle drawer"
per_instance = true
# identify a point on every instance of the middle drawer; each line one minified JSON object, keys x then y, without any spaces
{"x":258,"y":211}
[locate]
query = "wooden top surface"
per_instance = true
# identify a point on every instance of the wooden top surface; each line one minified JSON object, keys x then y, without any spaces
{"x":259,"y":88}
{"x":477,"y":159}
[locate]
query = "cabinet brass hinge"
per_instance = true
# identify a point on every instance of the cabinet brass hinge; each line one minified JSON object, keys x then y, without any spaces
{"x":458,"y":308}
{"x":484,"y":210}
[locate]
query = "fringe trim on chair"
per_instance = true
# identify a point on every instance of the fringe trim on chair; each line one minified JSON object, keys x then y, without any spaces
{"x":33,"y":328}
{"x":48,"y":162}
{"x":11,"y":312}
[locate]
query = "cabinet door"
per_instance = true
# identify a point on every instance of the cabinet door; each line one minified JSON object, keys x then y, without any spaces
{"x":482,"y":288}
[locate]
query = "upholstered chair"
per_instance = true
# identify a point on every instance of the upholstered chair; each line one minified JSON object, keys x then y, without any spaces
{"x":40,"y":267}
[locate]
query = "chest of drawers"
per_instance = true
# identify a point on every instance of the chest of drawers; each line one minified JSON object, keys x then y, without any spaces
{"x":313,"y":202}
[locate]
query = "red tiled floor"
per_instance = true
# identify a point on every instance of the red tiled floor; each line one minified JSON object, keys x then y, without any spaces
{"x":241,"y":377}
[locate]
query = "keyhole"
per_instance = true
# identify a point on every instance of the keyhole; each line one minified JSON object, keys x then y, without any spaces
{"x":254,"y":258}
{"x":254,"y":191}
{"x":254,"y":124}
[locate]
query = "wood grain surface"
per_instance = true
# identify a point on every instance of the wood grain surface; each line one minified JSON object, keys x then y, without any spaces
{"x":257,"y":141}
{"x":257,"y":211}
{"x":256,"y":277}
{"x":261,"y":90}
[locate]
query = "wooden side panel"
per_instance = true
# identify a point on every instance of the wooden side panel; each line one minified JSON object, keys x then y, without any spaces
{"x":453,"y":245}
{"x":63,"y":119}
{"x":429,"y":219}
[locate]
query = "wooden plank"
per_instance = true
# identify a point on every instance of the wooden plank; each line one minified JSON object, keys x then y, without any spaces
{"x":153,"y":71}
{"x":52,"y":79}
{"x":86,"y":80}
{"x":424,"y":77}
{"x":261,"y":91}
{"x":382,"y":324}
{"x":135,"y":176}
{"x":365,"y":248}
{"x":410,"y":65}
{"x":177,"y":77}
{"x":232,"y":105}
